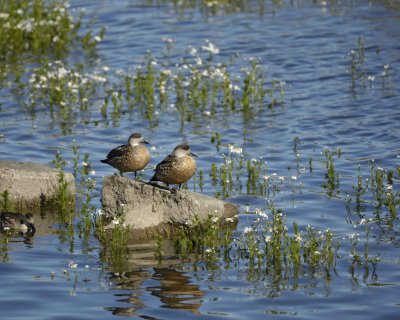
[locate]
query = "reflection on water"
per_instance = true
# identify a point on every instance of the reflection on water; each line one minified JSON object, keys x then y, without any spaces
{"x":173,"y":289}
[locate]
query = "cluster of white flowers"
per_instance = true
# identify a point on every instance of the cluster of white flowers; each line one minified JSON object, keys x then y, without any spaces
{"x":247,"y":230}
{"x":236,"y":150}
{"x":210,"y":47}
{"x":261,"y":213}
{"x":56,"y":78}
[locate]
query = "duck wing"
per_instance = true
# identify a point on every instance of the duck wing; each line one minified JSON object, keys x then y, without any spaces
{"x":165,"y":163}
{"x":118,"y":152}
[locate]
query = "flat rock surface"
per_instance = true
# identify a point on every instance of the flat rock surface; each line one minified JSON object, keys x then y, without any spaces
{"x":151,"y":209}
{"x":30,"y":186}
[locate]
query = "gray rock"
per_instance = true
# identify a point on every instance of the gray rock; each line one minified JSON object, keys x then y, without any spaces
{"x":31,"y":187}
{"x":152,"y":210}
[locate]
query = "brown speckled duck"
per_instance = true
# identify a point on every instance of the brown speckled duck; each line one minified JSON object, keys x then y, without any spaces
{"x":176,"y":168}
{"x":131,"y":157}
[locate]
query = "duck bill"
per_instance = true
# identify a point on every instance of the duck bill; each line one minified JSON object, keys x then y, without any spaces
{"x":145,"y":142}
{"x":193,"y":155}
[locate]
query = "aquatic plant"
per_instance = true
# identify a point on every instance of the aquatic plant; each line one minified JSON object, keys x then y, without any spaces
{"x":5,"y":200}
{"x":265,"y":245}
{"x":83,"y":208}
{"x":206,"y":238}
{"x":213,"y":7}
{"x":332,"y":176}
{"x":114,"y":242}
{"x":362,"y":71}
{"x":39,"y":28}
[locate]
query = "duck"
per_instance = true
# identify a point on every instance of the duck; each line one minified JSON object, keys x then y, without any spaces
{"x":132,"y":157}
{"x":176,"y":168}
{"x":17,"y":222}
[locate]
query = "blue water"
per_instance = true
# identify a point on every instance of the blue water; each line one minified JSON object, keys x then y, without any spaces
{"x":307,"y":44}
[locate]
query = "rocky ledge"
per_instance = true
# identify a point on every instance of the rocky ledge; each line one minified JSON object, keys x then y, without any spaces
{"x":31,"y":187}
{"x":152,"y":210}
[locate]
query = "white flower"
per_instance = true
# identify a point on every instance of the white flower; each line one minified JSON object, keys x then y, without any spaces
{"x":209,"y":250}
{"x":229,"y":219}
{"x":72,"y":265}
{"x":210,"y":47}
{"x":115,"y":221}
{"x":192,"y":51}
{"x":267,"y":239}
{"x":198,"y":61}
{"x":233,"y":149}
{"x":167,"y":40}
{"x":247,"y":230}
{"x":261,"y":213}
{"x":4,"y":15}
{"x":97,"y":38}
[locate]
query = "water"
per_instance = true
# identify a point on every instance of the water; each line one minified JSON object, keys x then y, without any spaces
{"x":303,"y":43}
